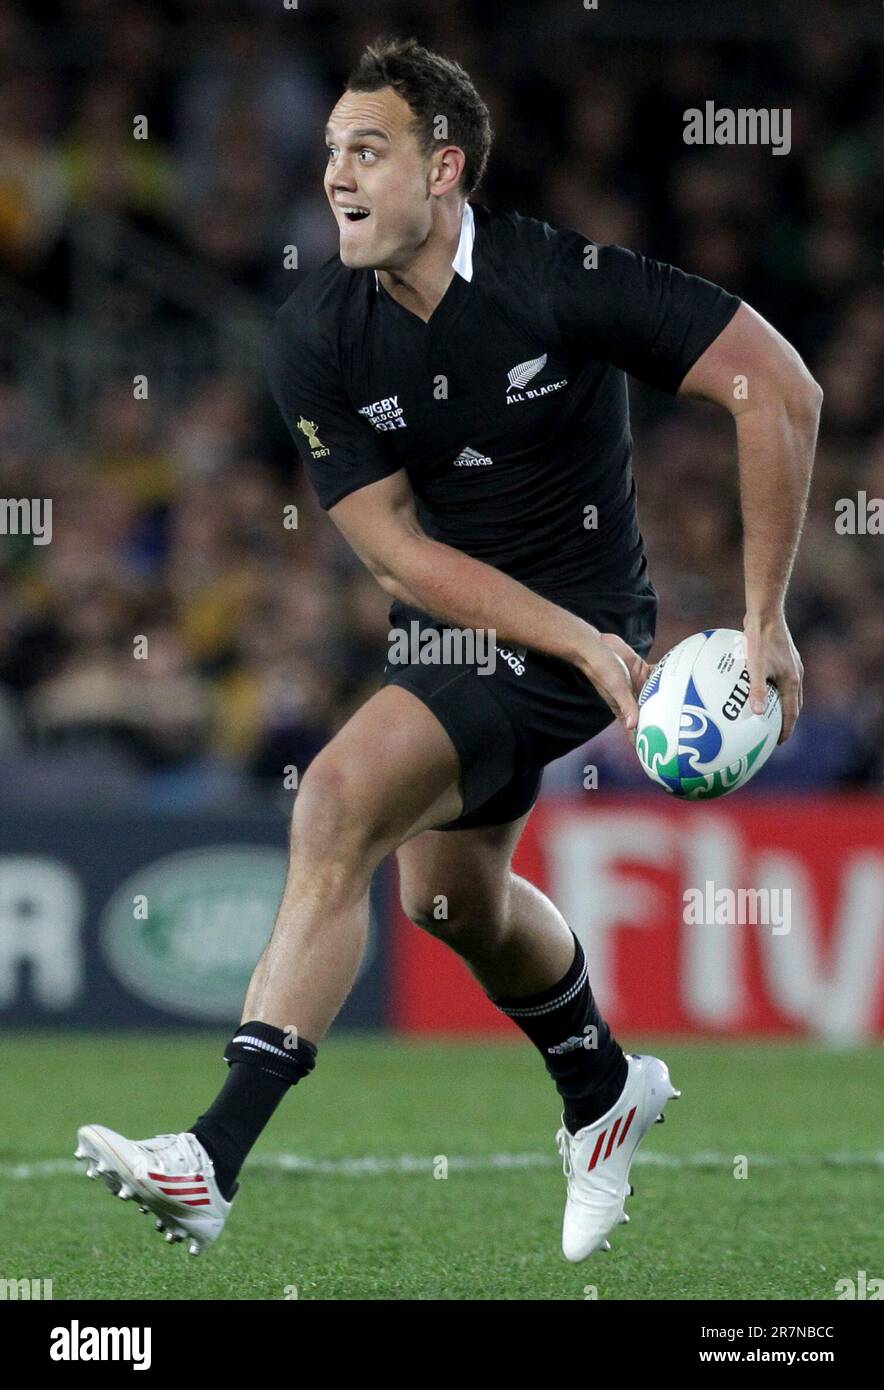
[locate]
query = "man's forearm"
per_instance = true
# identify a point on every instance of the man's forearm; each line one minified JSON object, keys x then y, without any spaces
{"x":776,"y":443}
{"x":464,"y":592}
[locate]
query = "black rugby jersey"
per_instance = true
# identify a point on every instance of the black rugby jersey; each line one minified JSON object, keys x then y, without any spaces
{"x":508,"y":409}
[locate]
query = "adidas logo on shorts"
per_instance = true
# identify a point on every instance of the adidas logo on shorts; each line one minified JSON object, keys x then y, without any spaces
{"x":515,"y":659}
{"x":471,"y":458}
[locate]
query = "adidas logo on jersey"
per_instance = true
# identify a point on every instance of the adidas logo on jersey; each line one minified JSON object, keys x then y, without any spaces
{"x":520,"y":375}
{"x":470,"y":458}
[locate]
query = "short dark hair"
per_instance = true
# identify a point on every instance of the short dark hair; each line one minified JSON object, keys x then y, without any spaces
{"x":433,"y":86}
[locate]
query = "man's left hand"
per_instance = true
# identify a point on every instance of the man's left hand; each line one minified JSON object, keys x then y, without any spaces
{"x":771,"y":654}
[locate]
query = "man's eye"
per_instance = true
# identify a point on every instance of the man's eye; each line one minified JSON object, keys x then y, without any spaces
{"x":367,"y":151}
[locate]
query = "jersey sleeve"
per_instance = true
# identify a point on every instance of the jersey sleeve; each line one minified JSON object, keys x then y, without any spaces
{"x":646,"y":317}
{"x":338,"y":448}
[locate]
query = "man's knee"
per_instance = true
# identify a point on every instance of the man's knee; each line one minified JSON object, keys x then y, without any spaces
{"x":460,"y":918}
{"x":330,"y":818}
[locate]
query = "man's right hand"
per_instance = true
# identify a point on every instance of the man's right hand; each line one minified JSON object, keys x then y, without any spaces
{"x":618,"y":674}
{"x":380,"y":523}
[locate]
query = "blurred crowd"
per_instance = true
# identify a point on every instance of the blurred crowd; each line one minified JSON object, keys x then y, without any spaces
{"x":172,"y":515}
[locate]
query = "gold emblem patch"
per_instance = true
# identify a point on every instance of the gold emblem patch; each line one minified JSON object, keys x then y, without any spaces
{"x":308,"y":428}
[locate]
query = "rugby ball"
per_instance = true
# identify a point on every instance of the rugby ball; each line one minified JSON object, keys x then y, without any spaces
{"x":697,"y":735}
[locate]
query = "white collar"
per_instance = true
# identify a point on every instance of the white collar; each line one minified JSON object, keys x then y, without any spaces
{"x":463,"y":259}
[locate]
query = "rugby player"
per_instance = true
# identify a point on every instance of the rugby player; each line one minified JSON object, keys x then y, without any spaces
{"x":455,"y":382}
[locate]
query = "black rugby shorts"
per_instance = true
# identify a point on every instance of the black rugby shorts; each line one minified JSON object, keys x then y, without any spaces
{"x":508,"y":724}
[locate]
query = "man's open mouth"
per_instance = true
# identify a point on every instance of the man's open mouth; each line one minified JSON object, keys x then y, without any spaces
{"x":354,"y":214}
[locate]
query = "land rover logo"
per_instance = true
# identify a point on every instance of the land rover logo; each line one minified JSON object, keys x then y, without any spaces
{"x":209,"y":916}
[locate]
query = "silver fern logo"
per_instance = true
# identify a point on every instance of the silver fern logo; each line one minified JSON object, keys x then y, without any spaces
{"x":519,"y":377}
{"x":524,"y":372}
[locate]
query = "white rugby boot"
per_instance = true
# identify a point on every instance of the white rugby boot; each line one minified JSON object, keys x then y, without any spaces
{"x":170,"y":1175}
{"x":596,"y":1160}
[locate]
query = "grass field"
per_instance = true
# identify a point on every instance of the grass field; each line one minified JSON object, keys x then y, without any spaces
{"x":337,"y":1227}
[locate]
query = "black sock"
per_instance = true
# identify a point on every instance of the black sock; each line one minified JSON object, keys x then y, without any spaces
{"x":263,"y":1065}
{"x":580,"y":1053}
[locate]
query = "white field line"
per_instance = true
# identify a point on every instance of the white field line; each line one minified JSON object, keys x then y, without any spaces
{"x":420,"y":1163}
